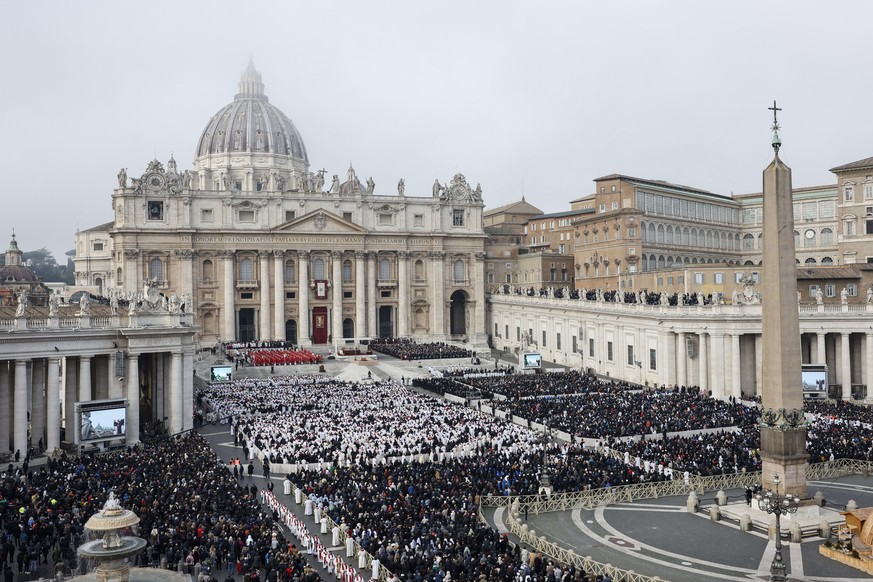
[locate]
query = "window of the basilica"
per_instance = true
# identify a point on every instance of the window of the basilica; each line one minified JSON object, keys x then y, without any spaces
{"x":386,"y":219}
{"x":384,"y":270}
{"x":418,"y":220}
{"x":318,"y":269}
{"x":289,"y":272}
{"x":347,"y":216}
{"x":246,"y":215}
{"x":419,"y":271}
{"x":347,"y":271}
{"x":156,"y":270}
{"x":206,"y":215}
{"x":155,"y":210}
{"x":289,"y":215}
{"x":458,"y":217}
{"x":246,"y":270}
{"x":459,"y":271}
{"x":208,"y":272}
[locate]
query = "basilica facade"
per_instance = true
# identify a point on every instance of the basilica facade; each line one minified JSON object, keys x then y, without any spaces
{"x":260,"y":248}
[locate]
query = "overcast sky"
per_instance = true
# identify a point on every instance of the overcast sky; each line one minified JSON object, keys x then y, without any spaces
{"x":533,"y":99}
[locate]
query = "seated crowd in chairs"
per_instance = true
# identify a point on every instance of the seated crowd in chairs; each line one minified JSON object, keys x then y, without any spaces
{"x":405,"y":349}
{"x":281,"y":357}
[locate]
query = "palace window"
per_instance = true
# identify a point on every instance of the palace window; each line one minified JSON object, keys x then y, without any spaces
{"x":849,"y":193}
{"x":830,"y":290}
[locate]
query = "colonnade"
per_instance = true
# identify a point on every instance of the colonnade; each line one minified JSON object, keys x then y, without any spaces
{"x":45,"y":390}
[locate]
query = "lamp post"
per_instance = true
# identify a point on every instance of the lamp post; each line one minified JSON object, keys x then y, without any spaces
{"x":772,"y":503}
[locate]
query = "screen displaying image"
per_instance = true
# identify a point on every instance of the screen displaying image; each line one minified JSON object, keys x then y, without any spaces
{"x":221,"y":373}
{"x":102,"y":424}
{"x":532,"y":360}
{"x":814,"y":380}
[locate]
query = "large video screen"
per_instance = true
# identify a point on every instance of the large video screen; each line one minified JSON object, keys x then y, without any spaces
{"x":531,"y":361}
{"x":101,"y":420}
{"x":221,"y":374}
{"x":814,"y":380}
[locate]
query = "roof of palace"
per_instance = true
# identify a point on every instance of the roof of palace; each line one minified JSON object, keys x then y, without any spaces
{"x":859,"y":165}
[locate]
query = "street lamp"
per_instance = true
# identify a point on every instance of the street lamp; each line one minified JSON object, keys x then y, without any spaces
{"x":771,"y":502}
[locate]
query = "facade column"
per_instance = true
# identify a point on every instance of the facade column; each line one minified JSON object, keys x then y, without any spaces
{"x":19,"y":417}
{"x":478,"y":336}
{"x":53,"y":406}
{"x":716,"y":354}
{"x":336,"y":293}
{"x":131,"y":272}
{"x":71,"y":394}
{"x":228,"y":310}
{"x":37,"y":402}
{"x":371,"y":293}
{"x":670,"y":359}
{"x":403,"y":293}
{"x":279,"y":295}
{"x":177,"y":396}
{"x":682,"y":359}
{"x":133,"y":395}
{"x":360,"y":295}
{"x":6,"y":395}
{"x":736,"y":369}
{"x":845,"y":366}
{"x":820,"y":348}
{"x":186,"y":268}
{"x":303,"y":298}
{"x":114,"y":382}
{"x":702,"y":353}
{"x":264,"y":326}
{"x":438,"y":308}
{"x":85,"y":378}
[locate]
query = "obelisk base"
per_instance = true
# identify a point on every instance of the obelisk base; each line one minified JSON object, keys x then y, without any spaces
{"x":783,"y":453}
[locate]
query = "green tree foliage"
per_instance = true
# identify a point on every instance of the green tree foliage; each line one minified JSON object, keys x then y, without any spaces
{"x":43,"y":263}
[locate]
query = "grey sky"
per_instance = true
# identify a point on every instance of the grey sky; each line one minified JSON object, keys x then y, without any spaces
{"x":534,"y":98}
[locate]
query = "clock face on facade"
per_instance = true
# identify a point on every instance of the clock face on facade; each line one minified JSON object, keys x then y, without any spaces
{"x":155,"y":181}
{"x":810,"y":233}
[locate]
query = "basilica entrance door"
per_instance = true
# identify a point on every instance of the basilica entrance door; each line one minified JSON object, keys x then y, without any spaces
{"x":319,"y":325}
{"x":291,"y":331}
{"x":458,"y":313}
{"x":246,"y":324}
{"x":386,"y":321}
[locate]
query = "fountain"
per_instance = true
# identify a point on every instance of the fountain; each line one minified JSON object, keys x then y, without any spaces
{"x":112,"y":550}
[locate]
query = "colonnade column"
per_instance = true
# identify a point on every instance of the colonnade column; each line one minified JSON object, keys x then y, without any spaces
{"x":736,"y":370}
{"x":85,"y":378}
{"x":177,"y":396}
{"x":702,"y":353}
{"x":716,"y":353}
{"x":845,"y":366}
{"x":279,"y":295}
{"x":336,"y":258}
{"x":682,"y":359}
{"x":479,"y":290}
{"x":360,"y":294}
{"x":6,"y":395}
{"x":71,"y":392}
{"x":438,"y":308}
{"x":403,"y":293}
{"x":264,"y":326}
{"x":670,"y":360}
{"x":371,"y":293}
{"x":187,"y":389}
{"x":820,"y":348}
{"x":115,"y":388}
{"x":133,"y":395}
{"x":53,"y":406}
{"x":19,"y":417}
{"x":228,"y":310}
{"x":37,"y":402}
{"x":303,"y":298}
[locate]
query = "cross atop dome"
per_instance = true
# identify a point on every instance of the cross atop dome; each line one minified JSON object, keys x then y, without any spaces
{"x":250,"y":84}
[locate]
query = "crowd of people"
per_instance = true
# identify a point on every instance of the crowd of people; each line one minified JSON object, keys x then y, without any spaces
{"x":191,"y":509}
{"x":406,"y":349}
{"x":642,"y":297}
{"x":520,"y":386}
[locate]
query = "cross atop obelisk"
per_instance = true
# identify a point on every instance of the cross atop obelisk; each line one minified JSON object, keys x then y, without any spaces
{"x":776,"y":141}
{"x":783,"y":429}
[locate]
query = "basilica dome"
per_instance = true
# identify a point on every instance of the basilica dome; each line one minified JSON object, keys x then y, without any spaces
{"x":251,"y":124}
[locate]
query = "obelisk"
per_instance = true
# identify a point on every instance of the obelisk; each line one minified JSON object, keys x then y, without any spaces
{"x":783,"y":430}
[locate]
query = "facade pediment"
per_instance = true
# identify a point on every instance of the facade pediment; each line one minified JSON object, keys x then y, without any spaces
{"x":320,"y":221}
